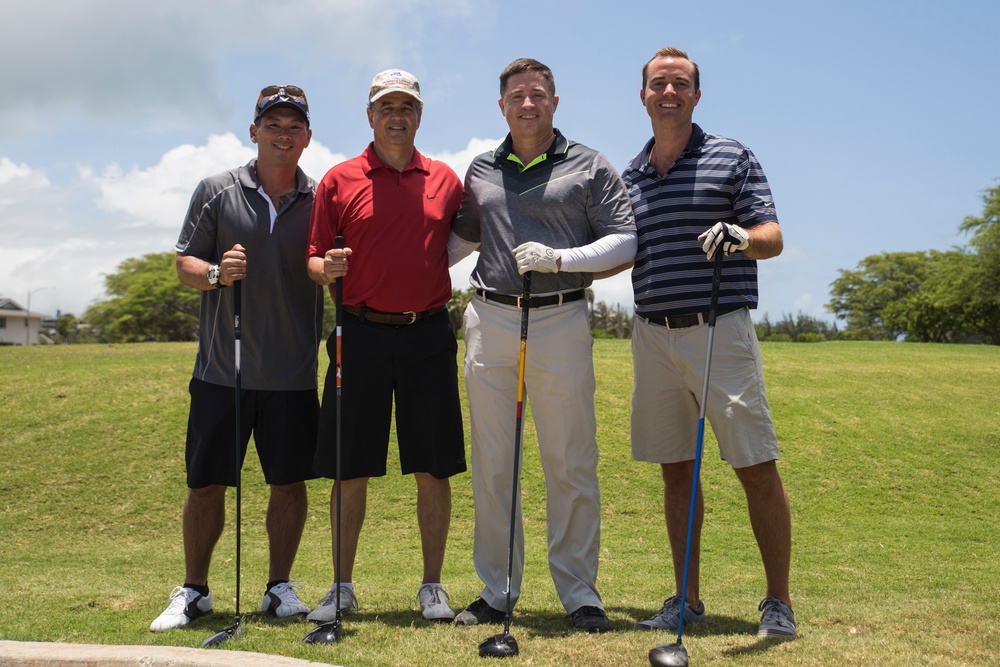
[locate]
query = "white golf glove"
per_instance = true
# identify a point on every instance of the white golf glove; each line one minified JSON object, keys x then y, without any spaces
{"x":533,"y":256}
{"x":726,"y":236}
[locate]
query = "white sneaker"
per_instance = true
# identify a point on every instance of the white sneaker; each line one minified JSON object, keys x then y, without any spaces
{"x":186,"y":604}
{"x":282,"y":601}
{"x":326,"y":611}
{"x":433,"y":602}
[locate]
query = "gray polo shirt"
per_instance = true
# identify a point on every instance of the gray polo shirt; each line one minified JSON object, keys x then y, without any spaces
{"x":569,"y":197}
{"x":282,"y":308}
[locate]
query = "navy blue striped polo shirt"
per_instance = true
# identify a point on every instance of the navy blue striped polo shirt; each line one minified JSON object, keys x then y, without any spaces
{"x":714,"y":179}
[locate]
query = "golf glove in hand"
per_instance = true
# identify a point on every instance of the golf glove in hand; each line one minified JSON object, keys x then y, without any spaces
{"x":726,"y":236}
{"x":533,"y":256}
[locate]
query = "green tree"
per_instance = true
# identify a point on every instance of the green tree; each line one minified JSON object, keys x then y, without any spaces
{"x":796,"y":327}
{"x":456,"y":307}
{"x":861,"y":295}
{"x":983,"y":286}
{"x":937,"y":312}
{"x":146,"y":303}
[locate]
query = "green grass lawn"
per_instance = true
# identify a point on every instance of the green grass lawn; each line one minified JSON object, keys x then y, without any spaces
{"x":891,"y":455}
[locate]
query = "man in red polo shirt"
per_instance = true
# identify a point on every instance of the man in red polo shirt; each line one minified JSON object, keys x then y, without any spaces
{"x":394,"y":208}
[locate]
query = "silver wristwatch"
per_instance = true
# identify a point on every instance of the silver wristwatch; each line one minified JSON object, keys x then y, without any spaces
{"x":213,"y":276}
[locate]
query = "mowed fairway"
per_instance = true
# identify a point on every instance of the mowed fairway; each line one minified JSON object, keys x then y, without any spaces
{"x":891,"y":455}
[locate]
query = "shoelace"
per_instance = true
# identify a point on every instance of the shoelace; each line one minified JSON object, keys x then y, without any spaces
{"x":288,"y":587}
{"x":671,"y":607}
{"x":178,"y":601}
{"x":774,"y":612}
{"x":435,"y":591}
{"x":331,"y":596}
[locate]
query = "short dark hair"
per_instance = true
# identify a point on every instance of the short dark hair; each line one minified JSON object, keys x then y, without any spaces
{"x":671,"y":52}
{"x":522,"y":65}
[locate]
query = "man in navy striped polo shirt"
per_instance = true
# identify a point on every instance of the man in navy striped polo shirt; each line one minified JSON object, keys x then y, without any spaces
{"x":695,"y":194}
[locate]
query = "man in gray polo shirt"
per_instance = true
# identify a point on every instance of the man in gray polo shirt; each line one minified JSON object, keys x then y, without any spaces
{"x":251,"y":224}
{"x":544,"y":204}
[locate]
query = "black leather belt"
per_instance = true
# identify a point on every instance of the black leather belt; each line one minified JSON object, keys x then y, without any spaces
{"x":686,"y":321}
{"x":366,"y":314}
{"x":533,"y":301}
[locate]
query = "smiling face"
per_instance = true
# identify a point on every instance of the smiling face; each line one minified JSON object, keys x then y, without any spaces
{"x":528,"y":104}
{"x":669,"y":94}
{"x":281,"y":136}
{"x":394,"y":118}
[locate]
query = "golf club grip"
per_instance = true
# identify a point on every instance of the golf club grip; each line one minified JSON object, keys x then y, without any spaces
{"x":338,"y":303}
{"x":716,"y":284}
{"x":525,"y":296}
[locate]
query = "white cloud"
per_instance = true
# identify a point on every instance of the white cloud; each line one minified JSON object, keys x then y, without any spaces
{"x":9,"y":171}
{"x":460,"y":160}
{"x":67,"y":238}
{"x":159,"y":196}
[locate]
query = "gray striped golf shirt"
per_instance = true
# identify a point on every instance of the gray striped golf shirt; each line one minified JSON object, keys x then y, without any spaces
{"x":714,"y":179}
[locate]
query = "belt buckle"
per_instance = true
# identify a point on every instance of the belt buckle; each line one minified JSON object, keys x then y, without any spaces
{"x":412,"y":314}
{"x":520,"y":299}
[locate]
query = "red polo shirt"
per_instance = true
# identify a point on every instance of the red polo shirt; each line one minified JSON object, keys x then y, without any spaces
{"x":396,"y":225}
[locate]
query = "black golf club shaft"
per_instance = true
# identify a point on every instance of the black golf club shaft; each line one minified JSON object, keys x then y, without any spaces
{"x":234,"y":631}
{"x":519,"y":425}
{"x":339,"y":308}
{"x":330,"y":632}
{"x":237,"y":335}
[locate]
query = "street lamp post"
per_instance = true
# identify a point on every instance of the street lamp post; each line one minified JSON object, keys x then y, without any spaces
{"x":27,"y":317}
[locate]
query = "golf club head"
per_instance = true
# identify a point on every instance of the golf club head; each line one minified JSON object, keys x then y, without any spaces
{"x":328,"y":633}
{"x":498,"y":646}
{"x":234,"y":631}
{"x":668,"y":655}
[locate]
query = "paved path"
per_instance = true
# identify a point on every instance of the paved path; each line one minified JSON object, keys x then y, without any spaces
{"x":42,"y":654}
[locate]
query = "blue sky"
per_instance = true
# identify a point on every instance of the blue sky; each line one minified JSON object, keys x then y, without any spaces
{"x":876,"y":122}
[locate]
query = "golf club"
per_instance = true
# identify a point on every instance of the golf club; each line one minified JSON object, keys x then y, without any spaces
{"x":504,"y":645}
{"x":675,"y":655}
{"x":235,"y":631}
{"x":330,"y":633}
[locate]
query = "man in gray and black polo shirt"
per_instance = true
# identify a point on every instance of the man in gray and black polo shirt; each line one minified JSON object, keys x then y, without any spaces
{"x":695,"y":194}
{"x":251,"y":224}
{"x":544,"y":204}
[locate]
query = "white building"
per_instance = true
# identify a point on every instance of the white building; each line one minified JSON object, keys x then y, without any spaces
{"x":18,"y":326}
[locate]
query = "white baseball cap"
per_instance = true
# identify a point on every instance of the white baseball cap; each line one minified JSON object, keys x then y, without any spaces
{"x":392,"y":80}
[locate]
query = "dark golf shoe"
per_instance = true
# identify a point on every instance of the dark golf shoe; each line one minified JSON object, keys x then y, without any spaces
{"x":479,"y":613}
{"x":590,"y":619}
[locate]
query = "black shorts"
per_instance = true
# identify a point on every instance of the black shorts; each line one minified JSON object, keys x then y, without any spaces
{"x":283,"y":424}
{"x":415,"y":365}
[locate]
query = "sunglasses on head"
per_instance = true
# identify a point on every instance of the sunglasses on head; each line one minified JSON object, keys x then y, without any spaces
{"x":270,"y":92}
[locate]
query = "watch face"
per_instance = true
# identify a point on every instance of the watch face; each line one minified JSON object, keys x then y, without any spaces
{"x":213,"y":274}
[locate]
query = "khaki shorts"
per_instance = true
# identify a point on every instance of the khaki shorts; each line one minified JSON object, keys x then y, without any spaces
{"x":669,"y":366}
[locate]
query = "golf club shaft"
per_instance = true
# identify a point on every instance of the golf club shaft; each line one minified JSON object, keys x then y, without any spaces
{"x":712,"y":308}
{"x":519,"y":423}
{"x":339,"y":308}
{"x":237,"y":335}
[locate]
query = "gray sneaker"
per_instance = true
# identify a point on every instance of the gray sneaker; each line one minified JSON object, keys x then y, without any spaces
{"x":326,"y":610}
{"x":669,"y":616}
{"x":778,"y":619}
